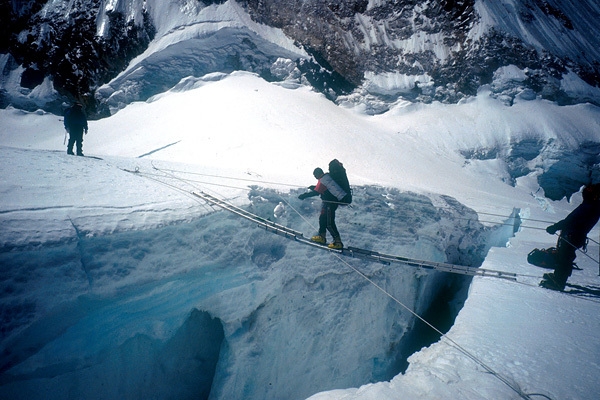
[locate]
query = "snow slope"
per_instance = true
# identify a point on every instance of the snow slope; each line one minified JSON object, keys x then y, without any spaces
{"x":193,"y":40}
{"x":80,"y":317}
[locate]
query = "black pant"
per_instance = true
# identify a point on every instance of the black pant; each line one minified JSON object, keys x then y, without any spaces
{"x":565,"y":257}
{"x":327,"y":220}
{"x":75,"y":137}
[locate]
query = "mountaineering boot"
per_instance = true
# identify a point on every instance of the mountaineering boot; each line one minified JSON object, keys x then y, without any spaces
{"x":318,"y":239}
{"x":337,"y":244}
{"x":552,"y":282}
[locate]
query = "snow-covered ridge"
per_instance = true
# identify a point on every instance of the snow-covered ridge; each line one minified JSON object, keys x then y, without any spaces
{"x":197,"y":43}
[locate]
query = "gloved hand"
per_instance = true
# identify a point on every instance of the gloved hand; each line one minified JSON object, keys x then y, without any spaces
{"x":312,"y":187}
{"x":552,"y":229}
{"x":304,"y":196}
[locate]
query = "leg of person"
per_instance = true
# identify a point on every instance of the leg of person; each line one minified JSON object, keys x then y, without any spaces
{"x":332,"y":228}
{"x":567,"y":253}
{"x":80,"y":144}
{"x":320,"y":237}
{"x":70,"y":144}
{"x":564,"y":267}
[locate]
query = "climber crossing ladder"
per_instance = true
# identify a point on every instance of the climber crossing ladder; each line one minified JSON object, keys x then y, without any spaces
{"x":269,"y":226}
{"x":369,"y":255}
{"x":351,"y":251}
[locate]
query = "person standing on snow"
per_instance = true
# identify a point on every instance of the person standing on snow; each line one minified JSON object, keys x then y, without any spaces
{"x":331,"y":193}
{"x":75,"y":123}
{"x":573,"y":234}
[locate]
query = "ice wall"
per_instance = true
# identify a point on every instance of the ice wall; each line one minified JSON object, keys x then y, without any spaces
{"x":217,"y":308}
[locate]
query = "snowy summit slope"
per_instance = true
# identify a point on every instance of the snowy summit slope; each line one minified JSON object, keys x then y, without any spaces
{"x":109,"y":275}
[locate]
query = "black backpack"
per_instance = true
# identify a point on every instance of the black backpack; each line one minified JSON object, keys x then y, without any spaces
{"x":545,"y":258}
{"x":338,"y":173}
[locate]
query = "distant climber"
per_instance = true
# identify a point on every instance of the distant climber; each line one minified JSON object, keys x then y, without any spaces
{"x":332,"y":195}
{"x":75,"y":123}
{"x":573,"y":235}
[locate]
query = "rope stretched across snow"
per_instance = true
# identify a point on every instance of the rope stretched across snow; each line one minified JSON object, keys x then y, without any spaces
{"x":297,"y":236}
{"x":357,"y":253}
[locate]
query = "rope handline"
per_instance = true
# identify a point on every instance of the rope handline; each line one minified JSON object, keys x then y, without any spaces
{"x":454,"y":217}
{"x":231,"y":178}
{"x":171,"y":186}
{"x":149,"y":174}
{"x":189,"y":181}
{"x":451,"y":341}
{"x":442,"y":335}
{"x":297,"y":186}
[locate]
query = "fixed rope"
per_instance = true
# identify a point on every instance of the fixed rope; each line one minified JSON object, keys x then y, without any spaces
{"x":460,"y":348}
{"x":383,"y":258}
{"x":291,"y":185}
{"x":296,"y":235}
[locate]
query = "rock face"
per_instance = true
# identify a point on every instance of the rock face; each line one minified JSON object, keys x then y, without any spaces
{"x":433,"y":50}
{"x":354,"y":37}
{"x":455,"y":43}
{"x":61,"y":42}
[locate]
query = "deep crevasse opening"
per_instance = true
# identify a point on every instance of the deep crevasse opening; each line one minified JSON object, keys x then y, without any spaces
{"x":275,"y":314}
